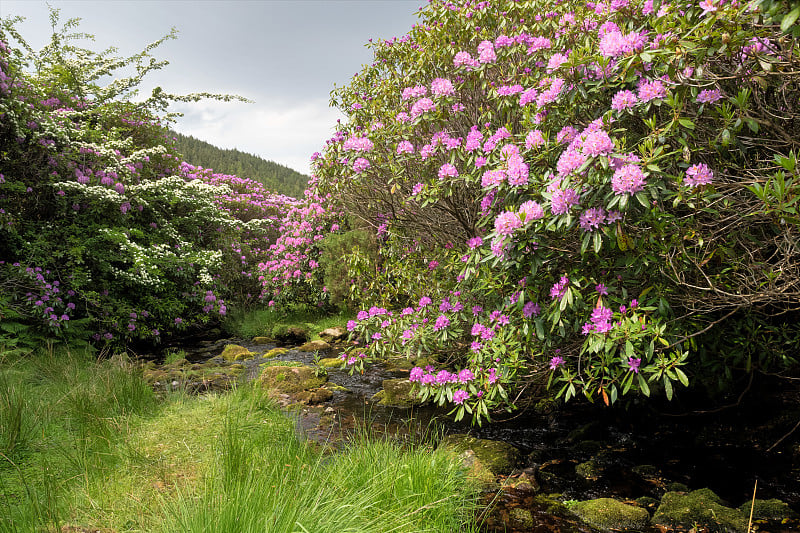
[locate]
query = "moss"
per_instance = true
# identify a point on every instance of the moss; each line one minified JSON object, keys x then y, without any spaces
{"x":234,"y":352}
{"x":315,"y":346}
{"x":773,"y":509}
{"x":275,"y":352}
{"x":499,"y":457}
{"x":262,"y":340}
{"x":396,"y":393}
{"x":290,"y":379}
{"x":698,"y":509}
{"x":330,"y":362}
{"x":522,"y":517}
{"x":608,"y":513}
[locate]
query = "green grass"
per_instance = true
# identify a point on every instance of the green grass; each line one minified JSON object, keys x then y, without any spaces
{"x":86,"y":443}
{"x":260,"y":322}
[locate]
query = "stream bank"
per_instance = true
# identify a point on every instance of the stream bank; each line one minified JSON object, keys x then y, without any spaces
{"x":608,"y":466}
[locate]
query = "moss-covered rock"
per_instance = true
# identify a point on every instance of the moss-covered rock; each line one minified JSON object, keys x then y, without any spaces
{"x":773,"y":509}
{"x":521,"y":517}
{"x":290,"y":379}
{"x":310,"y":397}
{"x":290,"y":334}
{"x":608,"y":513}
{"x":234,"y":352}
{"x":262,"y":340}
{"x":315,"y":346}
{"x":275,"y":352}
{"x":498,"y":456}
{"x":330,"y":362}
{"x":698,"y":509}
{"x":396,"y":393}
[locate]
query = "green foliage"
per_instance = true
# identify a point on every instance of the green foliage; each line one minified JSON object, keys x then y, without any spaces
{"x":273,"y":176}
{"x":352,"y":253}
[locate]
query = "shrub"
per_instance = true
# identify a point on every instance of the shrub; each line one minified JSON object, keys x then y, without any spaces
{"x":597,"y":185}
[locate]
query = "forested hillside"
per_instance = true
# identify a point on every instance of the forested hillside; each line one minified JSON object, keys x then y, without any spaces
{"x":275,"y":177}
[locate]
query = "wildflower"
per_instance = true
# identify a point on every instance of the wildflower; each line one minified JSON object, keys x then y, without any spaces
{"x":474,"y":242}
{"x":559,"y":289}
{"x":623,"y":100}
{"x":530,"y":309}
{"x":531,"y":210}
{"x":601,"y":289}
{"x":597,"y":143}
{"x":405,"y":147}
{"x":486,"y":52}
{"x":459,"y":396}
{"x":534,"y":139}
{"x":416,"y":374}
{"x":441,"y":323}
{"x":633,"y":364}
{"x":463,"y":58}
{"x":591,"y":219}
{"x":556,"y":362}
{"x":697,"y":175}
{"x":417,"y":189}
{"x":360,"y":165}
{"x":652,"y":90}
{"x":562,"y":200}
{"x":447,"y":170}
{"x":442,"y":87}
{"x":628,"y":179}
{"x":424,"y":301}
{"x":506,"y":222}
{"x":465,"y":376}
{"x":708,"y":96}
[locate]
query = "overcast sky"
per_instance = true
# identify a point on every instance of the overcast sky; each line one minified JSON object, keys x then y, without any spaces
{"x":284,"y":55}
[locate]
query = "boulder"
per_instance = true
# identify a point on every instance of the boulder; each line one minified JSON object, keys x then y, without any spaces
{"x":330,"y":362}
{"x":610,"y":514}
{"x":498,"y":456}
{"x":290,"y":379}
{"x":698,"y":509}
{"x":262,"y":340}
{"x":234,"y":352}
{"x":292,"y":335}
{"x":315,"y":346}
{"x":333,"y":334}
{"x":773,"y":509}
{"x":396,"y":393}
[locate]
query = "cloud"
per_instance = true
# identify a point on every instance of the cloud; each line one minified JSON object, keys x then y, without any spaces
{"x":287,"y":133}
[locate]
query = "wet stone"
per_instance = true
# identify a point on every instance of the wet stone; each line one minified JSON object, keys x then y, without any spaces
{"x":610,"y":514}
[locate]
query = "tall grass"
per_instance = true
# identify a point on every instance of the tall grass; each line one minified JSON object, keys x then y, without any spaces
{"x":259,"y":322}
{"x":93,"y":447}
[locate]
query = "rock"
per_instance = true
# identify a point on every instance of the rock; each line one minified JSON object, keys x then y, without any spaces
{"x":314,"y":396}
{"x":330,"y":362}
{"x":292,"y":335}
{"x":677,"y":487}
{"x":396,"y":393}
{"x":521,"y":517}
{"x":499,"y":457}
{"x":477,"y":472}
{"x":523,"y":482}
{"x":773,"y":509}
{"x":698,"y":509}
{"x":262,"y":340}
{"x":290,"y":379}
{"x":234,"y":352}
{"x":596,"y":467}
{"x":315,"y":346}
{"x":275,"y":352}
{"x":333,"y":334}
{"x":608,"y":514}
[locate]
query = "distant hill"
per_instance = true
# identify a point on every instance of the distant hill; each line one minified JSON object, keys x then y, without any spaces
{"x":275,"y":177}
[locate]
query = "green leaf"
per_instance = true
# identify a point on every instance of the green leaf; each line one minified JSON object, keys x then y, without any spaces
{"x":643,"y":386}
{"x":668,"y":388}
{"x":682,"y":377}
{"x":789,"y":19}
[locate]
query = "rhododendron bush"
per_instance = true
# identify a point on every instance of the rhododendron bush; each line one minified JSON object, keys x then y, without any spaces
{"x":104,"y":232}
{"x":574,"y":194}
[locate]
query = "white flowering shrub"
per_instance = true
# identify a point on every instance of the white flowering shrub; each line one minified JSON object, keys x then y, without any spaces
{"x":103,"y":231}
{"x":598,"y":196}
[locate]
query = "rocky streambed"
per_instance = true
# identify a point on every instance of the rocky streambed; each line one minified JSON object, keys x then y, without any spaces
{"x":547,"y":469}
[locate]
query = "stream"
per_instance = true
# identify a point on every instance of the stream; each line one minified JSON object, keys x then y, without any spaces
{"x":581,"y":451}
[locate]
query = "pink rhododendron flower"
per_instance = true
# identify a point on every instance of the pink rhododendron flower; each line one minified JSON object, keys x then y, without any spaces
{"x":447,"y":170}
{"x":652,"y":90}
{"x":628,"y":180}
{"x":562,"y":200}
{"x":486,"y":52}
{"x":534,"y":139}
{"x":442,"y":87}
{"x":597,"y":143}
{"x":360,"y":165}
{"x":697,"y":175}
{"x":708,"y":96}
{"x":405,"y":147}
{"x":623,"y":100}
{"x":506,"y":222}
{"x":531,"y":210}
